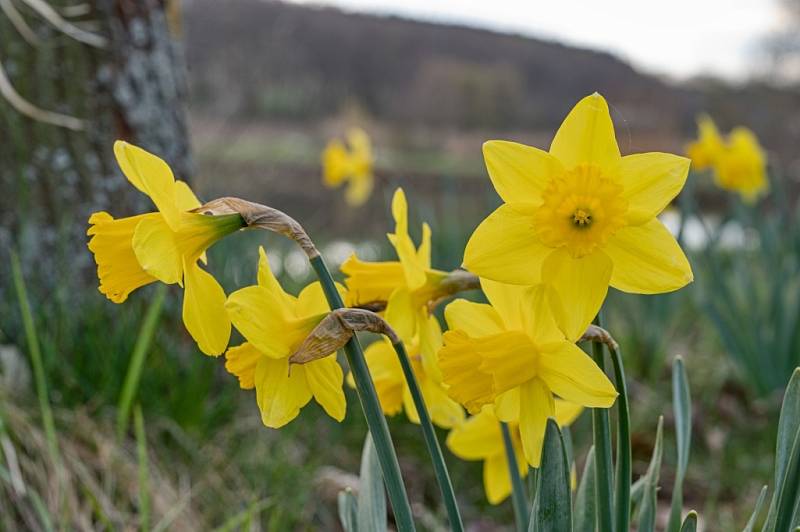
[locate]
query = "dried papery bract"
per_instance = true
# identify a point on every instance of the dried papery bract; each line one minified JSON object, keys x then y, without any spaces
{"x":260,"y":216}
{"x":336,"y":330}
{"x":599,"y":335}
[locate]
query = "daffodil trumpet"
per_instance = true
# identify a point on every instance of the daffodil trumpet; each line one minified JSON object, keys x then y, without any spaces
{"x":449,"y":285}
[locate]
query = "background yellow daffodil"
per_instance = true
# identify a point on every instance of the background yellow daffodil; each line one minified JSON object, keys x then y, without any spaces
{"x":351,"y":163}
{"x":581,"y":217}
{"x":480,"y":438}
{"x":705,"y":151}
{"x":163,"y":246}
{"x":275,"y":323}
{"x":741,"y":166}
{"x":514,"y":353}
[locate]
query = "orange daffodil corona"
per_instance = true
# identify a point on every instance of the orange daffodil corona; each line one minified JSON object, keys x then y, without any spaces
{"x":275,"y":323}
{"x":352,"y":164}
{"x":581,"y":216}
{"x":514,"y":354}
{"x":163,"y":246}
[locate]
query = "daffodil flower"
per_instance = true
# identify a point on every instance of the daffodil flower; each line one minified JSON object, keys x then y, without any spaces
{"x":741,"y":167}
{"x":480,"y":438}
{"x":351,"y":163}
{"x":408,"y":284}
{"x":275,"y":323}
{"x":391,"y":386}
{"x":514,"y":353}
{"x":581,"y":216}
{"x":705,"y":151}
{"x":163,"y":246}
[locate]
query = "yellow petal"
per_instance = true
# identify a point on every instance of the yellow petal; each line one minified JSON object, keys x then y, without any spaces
{"x":506,"y":406}
{"x":281,"y":391}
{"x":587,"y":136}
{"x":650,"y":181}
{"x":574,"y":376}
{"x":536,"y":406}
{"x":325,"y":378}
{"x":386,"y":373}
{"x":371,"y":281}
{"x":505,"y":248}
{"x":475,"y":319}
{"x":461,"y":371}
{"x":581,"y":284}
{"x":118,"y":268}
{"x":430,"y":341}
{"x":241,"y":361}
{"x":444,"y":412}
{"x":402,"y":314}
{"x":647,"y":260}
{"x":506,"y":300}
{"x":152,"y":176}
{"x":268,"y":280}
{"x":158,"y":251}
{"x":496,"y":478}
{"x":518,"y":172}
{"x":359,"y":189}
{"x":478,"y":437}
{"x":311,"y":301}
{"x":204,"y":311}
{"x":541,"y":310}
{"x":424,"y":250}
{"x":566,"y":412}
{"x":413,"y":267}
{"x":185,"y":199}
{"x":359,"y":143}
{"x":334,"y":164}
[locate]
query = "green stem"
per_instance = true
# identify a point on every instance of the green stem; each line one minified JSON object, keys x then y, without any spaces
{"x":602,"y":445}
{"x":622,"y":491}
{"x":372,"y":409}
{"x":518,"y":497}
{"x":439,"y":466}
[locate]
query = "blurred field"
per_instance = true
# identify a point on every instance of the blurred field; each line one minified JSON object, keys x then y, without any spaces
{"x":269,"y":85}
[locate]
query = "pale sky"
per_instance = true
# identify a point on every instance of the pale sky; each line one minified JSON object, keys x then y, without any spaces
{"x":678,"y":38}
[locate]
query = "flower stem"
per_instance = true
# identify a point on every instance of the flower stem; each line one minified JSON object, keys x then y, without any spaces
{"x":622,"y":493}
{"x":439,"y":466}
{"x":602,"y":445}
{"x":518,"y":497}
{"x":372,"y":409}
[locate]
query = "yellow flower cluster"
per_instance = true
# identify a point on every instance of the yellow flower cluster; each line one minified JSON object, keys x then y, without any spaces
{"x":738,"y":162}
{"x":575,"y":220}
{"x":351,"y":163}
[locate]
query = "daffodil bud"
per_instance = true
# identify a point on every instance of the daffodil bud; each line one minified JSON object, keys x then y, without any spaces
{"x":260,"y":216}
{"x":336,"y":329}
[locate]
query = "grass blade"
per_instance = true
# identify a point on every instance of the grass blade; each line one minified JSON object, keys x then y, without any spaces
{"x":647,"y":511}
{"x":552,"y":509}
{"x":371,"y":495}
{"x":518,"y":497}
{"x":348,"y":510}
{"x":682,"y":406}
{"x":604,"y":477}
{"x":143,"y":341}
{"x":584,"y":499}
{"x":690,"y":523}
{"x":144,"y":469}
{"x":751,"y":523}
{"x":788,"y":425}
{"x":622,"y":489}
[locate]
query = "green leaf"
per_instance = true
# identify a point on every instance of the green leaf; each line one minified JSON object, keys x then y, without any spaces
{"x":371,"y":495}
{"x":584,"y":499}
{"x":552,"y":509}
{"x":788,"y":425}
{"x":790,"y":490}
{"x":622,"y":477}
{"x":647,"y":512}
{"x":690,"y":523}
{"x":751,"y":523}
{"x":682,"y":407}
{"x":348,"y":508}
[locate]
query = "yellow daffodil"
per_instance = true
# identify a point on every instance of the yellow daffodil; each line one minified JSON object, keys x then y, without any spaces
{"x":163,"y":246}
{"x":514,"y":353}
{"x":275,"y":324}
{"x":351,"y":163}
{"x":480,"y":438}
{"x":391,"y":386}
{"x":741,"y":167}
{"x":408,"y":284}
{"x":581,"y":216}
{"x":705,"y":151}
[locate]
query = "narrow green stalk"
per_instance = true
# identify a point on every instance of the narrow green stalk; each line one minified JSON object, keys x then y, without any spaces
{"x":372,"y":409}
{"x":518,"y":497}
{"x":144,"y":469}
{"x":439,"y":466}
{"x":622,"y":489}
{"x":36,"y":360}
{"x":140,"y":349}
{"x":602,"y":445}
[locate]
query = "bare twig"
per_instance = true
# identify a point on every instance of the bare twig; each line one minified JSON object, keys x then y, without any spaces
{"x":17,"y":20}
{"x":47,"y":12}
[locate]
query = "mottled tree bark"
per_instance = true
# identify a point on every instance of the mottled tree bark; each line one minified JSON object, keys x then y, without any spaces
{"x":79,"y":75}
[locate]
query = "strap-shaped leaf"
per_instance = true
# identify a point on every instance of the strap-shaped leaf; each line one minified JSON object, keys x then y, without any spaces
{"x":788,"y":425}
{"x":751,"y":523}
{"x":647,"y":512}
{"x":371,"y":513}
{"x":690,"y":523}
{"x":552,"y":508}
{"x":348,"y":509}
{"x":584,"y":499}
{"x":682,"y":407}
